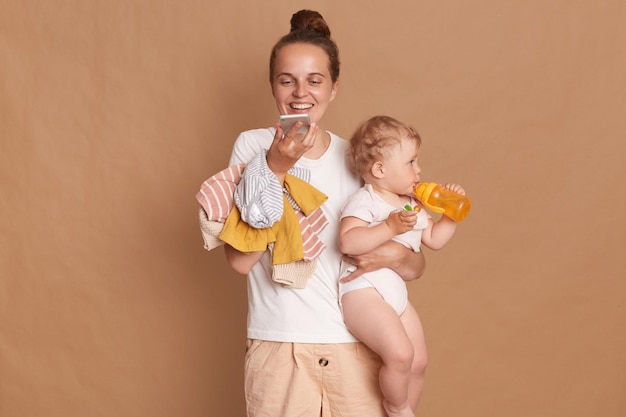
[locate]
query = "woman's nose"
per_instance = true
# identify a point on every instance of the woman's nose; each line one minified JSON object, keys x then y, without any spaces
{"x":300,"y":90}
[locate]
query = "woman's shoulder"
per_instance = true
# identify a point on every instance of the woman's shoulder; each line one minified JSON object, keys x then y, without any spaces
{"x":249,"y":143}
{"x":256,"y":134}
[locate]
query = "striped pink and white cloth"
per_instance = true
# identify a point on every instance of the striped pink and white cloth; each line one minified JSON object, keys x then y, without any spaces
{"x":216,"y":199}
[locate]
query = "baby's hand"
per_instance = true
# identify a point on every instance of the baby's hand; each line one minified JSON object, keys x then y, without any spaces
{"x":455,"y":187}
{"x":401,"y":221}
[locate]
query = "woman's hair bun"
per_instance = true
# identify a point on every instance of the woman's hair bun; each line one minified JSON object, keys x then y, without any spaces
{"x":309,"y":20}
{"x":308,"y":27}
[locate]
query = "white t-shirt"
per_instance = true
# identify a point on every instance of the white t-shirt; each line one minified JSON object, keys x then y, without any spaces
{"x":311,"y":314}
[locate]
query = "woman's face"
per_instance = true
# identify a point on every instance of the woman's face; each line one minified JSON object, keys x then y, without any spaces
{"x":301,"y":82}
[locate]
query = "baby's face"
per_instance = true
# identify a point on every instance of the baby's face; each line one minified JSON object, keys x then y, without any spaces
{"x":402,"y":172}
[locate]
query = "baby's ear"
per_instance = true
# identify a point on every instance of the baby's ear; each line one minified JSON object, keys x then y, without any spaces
{"x":378,"y":170}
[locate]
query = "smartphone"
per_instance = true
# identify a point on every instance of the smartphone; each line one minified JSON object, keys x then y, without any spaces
{"x":288,"y":120}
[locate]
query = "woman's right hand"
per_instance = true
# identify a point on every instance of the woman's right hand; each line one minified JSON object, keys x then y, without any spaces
{"x":288,"y":147}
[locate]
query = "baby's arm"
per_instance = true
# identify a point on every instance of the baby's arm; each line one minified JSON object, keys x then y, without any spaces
{"x":356,"y":238}
{"x":438,"y":234}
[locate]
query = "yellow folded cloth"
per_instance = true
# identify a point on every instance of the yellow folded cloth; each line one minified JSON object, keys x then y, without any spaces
{"x":285,"y":234}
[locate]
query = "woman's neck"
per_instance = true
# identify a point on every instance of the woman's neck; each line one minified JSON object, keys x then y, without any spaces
{"x":322,"y":142}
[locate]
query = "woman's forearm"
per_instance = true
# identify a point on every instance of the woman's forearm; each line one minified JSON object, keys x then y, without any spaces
{"x":241,"y":262}
{"x":412,"y":266}
{"x":405,"y":262}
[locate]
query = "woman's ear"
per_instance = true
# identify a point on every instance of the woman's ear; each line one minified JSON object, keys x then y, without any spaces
{"x":333,"y":91}
{"x":378,"y":170}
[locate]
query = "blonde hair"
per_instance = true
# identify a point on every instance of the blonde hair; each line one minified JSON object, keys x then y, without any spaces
{"x":372,"y":140}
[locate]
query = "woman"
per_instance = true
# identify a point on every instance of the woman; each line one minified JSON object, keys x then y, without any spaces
{"x":301,"y":360}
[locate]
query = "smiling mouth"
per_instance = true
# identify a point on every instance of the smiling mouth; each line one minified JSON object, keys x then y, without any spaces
{"x":300,"y":107}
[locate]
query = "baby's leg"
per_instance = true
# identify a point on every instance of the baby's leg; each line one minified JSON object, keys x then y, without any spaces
{"x":374,"y":322}
{"x":413,"y":326}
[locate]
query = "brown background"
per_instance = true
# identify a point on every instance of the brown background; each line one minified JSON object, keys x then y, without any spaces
{"x":113,"y":112}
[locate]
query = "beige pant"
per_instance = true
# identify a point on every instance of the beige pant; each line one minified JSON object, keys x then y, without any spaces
{"x":312,"y":380}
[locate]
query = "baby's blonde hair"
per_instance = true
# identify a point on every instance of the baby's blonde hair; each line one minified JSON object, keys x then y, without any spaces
{"x":373,"y":138}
